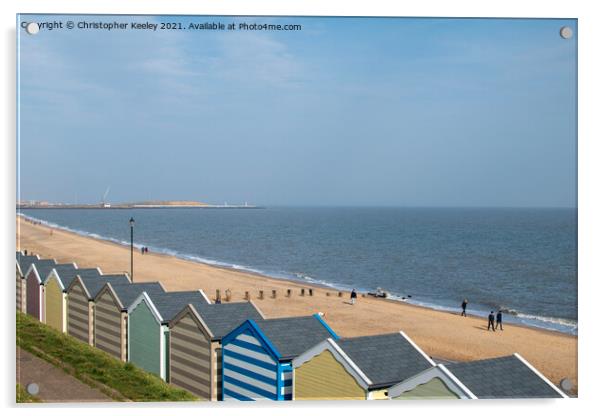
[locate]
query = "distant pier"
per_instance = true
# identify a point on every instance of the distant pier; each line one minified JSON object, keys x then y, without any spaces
{"x":134,"y":205}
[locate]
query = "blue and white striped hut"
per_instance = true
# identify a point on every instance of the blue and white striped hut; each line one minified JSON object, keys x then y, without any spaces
{"x":257,"y":356}
{"x":195,"y":348}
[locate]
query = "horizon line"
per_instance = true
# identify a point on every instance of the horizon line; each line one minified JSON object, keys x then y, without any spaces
{"x":284,"y":205}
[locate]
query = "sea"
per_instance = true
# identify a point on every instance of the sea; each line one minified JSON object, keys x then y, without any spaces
{"x":522,"y":261}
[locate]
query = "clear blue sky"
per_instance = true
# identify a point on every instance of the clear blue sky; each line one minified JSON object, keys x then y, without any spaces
{"x":408,"y":112}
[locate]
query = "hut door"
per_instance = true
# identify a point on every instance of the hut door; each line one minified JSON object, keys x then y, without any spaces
{"x":218,"y":373}
{"x":166,"y":352}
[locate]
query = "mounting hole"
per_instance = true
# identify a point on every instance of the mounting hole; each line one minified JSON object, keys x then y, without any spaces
{"x":33,"y":389}
{"x":566,"y":32}
{"x":566,"y":385}
{"x":32,"y":28}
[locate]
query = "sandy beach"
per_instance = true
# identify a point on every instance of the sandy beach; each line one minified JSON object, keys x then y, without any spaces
{"x":440,"y":334}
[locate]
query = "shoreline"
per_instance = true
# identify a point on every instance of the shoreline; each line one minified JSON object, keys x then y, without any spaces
{"x":510,"y":319}
{"x":440,"y":333}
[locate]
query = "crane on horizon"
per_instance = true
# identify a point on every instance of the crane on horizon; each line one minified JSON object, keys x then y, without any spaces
{"x":104,"y":198}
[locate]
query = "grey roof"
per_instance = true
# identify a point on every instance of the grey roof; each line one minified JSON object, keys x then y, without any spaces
{"x":292,"y":336}
{"x":129,"y":292}
{"x":169,"y":304}
{"x":94,"y":284}
{"x":501,"y":378}
{"x":44,"y":267}
{"x":25,"y":261}
{"x":386,"y":359}
{"x":221,"y":318}
{"x":67,"y":276}
{"x":60,"y":269}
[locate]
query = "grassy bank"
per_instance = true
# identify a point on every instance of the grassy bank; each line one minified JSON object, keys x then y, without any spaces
{"x":121,"y":381}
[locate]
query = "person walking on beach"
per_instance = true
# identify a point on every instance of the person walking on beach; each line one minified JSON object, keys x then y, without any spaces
{"x":491,"y":324}
{"x":353,"y":296}
{"x":498,"y":320}
{"x":464,"y":304}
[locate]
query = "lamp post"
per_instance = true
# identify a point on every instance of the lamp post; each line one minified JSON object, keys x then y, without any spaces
{"x":132,"y":249}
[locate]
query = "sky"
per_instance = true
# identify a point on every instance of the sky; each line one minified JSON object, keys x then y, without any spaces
{"x":345,"y":112}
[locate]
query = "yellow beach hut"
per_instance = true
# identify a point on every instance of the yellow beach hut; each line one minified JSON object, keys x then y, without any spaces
{"x":359,"y":368}
{"x":55,"y":293}
{"x":34,"y":279}
{"x":60,"y":269}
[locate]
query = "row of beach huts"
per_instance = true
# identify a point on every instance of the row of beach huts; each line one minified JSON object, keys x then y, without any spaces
{"x":230,"y":351}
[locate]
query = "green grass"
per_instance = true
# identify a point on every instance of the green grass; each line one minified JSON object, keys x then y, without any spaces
{"x":124,"y":381}
{"x":24,"y":397}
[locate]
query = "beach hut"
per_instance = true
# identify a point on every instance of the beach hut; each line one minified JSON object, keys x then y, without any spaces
{"x":257,"y":356}
{"x":23,"y":263}
{"x":510,"y":377}
{"x":55,"y":294}
{"x":80,"y":304}
{"x":195,"y":350}
{"x":359,"y":368}
{"x":111,"y":306}
{"x":148,"y":328}
{"x":59,"y":269}
{"x":34,"y":279}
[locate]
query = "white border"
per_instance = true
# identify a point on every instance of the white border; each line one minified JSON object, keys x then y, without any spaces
{"x":590,"y":170}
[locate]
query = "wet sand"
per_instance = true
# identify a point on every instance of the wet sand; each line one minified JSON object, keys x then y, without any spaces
{"x":440,"y":334}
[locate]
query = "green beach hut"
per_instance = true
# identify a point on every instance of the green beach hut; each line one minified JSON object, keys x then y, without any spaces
{"x":509,"y":377}
{"x":148,"y":328}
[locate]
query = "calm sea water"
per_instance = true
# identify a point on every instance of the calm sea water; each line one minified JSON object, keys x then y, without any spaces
{"x":521,"y":260}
